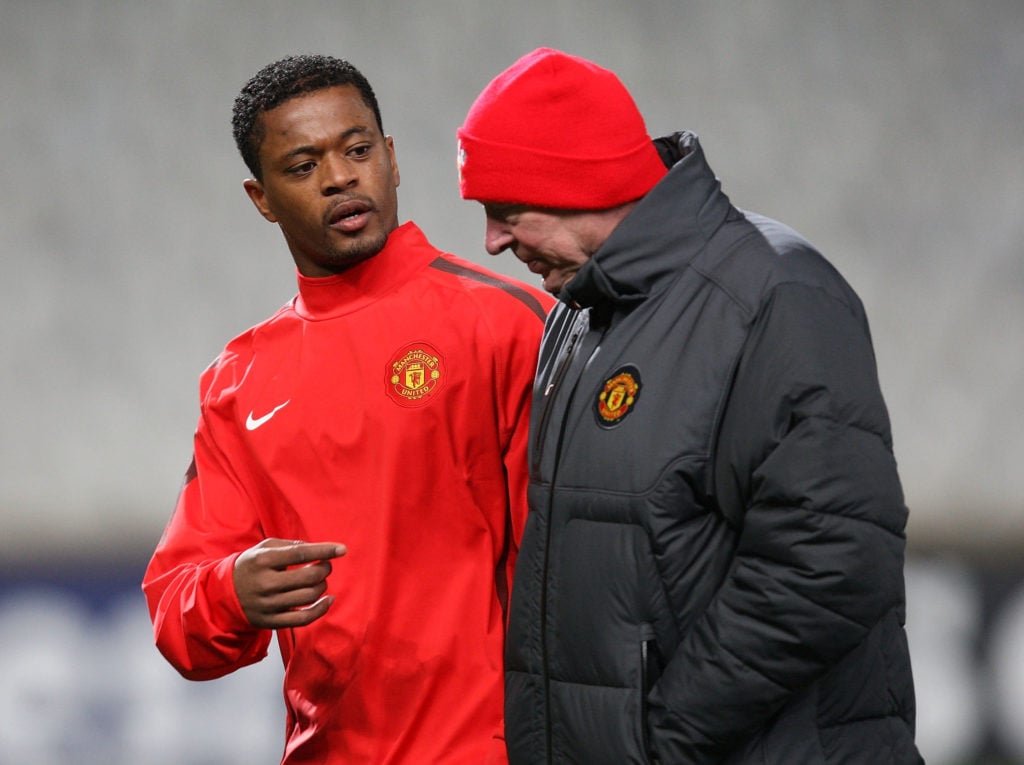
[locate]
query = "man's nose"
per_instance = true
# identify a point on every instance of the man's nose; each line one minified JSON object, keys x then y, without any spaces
{"x":497,"y":236}
{"x":338,"y":173}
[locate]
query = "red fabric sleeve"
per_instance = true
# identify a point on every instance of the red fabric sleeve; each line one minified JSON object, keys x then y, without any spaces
{"x":198,"y":622}
{"x":516,"y":398}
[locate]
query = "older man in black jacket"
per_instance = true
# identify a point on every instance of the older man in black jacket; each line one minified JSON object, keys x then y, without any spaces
{"x":712,"y":569}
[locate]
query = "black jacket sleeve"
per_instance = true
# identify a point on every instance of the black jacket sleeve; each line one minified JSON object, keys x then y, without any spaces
{"x":820,"y":553}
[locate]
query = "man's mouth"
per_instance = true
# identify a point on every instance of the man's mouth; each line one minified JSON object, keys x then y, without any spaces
{"x":350,"y":216}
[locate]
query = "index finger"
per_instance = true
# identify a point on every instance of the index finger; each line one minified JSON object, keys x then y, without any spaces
{"x":304,"y":552}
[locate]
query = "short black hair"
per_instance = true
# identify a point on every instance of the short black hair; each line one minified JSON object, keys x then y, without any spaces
{"x":284,"y":79}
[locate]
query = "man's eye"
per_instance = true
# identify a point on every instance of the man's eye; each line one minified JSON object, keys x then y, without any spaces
{"x":504,"y":213}
{"x":359,"y":151}
{"x":302,"y":168}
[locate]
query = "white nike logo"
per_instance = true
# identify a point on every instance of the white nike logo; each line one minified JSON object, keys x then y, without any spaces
{"x":251,"y":423}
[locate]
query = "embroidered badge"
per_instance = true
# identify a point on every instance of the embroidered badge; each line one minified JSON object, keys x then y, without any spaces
{"x":460,"y":161}
{"x":414,"y":373}
{"x":618,"y":396}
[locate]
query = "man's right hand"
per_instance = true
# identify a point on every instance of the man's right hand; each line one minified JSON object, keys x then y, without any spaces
{"x":281,"y":583}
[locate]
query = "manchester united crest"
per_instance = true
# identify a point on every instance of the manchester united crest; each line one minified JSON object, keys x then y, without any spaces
{"x":414,"y":373}
{"x":618,"y":396}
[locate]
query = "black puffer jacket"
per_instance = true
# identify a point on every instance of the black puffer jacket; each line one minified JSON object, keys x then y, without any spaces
{"x":645,"y":626}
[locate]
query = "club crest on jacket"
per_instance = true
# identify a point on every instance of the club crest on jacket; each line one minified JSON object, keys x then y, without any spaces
{"x":618,"y":396}
{"x":414,"y":374}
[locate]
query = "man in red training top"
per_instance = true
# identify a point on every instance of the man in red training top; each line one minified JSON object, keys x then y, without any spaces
{"x":375,"y":425}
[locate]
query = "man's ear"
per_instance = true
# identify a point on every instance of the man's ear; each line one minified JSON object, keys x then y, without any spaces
{"x":259,"y":198}
{"x":390,"y":142}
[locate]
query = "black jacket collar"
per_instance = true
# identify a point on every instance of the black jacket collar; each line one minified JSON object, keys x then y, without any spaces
{"x":662,"y":233}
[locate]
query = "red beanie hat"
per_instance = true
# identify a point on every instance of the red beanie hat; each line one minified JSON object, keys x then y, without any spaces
{"x":555,"y":130}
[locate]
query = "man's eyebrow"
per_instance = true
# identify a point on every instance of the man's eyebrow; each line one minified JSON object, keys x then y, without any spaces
{"x":503,"y":210}
{"x":310,"y":149}
{"x":299,"y":150}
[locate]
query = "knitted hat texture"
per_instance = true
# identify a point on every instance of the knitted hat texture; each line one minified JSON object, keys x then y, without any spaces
{"x":555,"y":130}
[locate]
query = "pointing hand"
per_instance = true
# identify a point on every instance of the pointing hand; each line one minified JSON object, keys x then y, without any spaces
{"x":281,"y":583}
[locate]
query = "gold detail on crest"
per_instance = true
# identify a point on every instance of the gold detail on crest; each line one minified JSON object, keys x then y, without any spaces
{"x":414,"y":374}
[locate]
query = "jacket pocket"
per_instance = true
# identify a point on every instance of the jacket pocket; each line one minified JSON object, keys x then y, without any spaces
{"x":650,"y":671}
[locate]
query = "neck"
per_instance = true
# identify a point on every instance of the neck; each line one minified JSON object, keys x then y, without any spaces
{"x":601,"y":223}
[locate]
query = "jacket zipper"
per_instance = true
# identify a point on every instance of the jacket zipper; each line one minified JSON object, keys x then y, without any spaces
{"x":580,"y":327}
{"x":552,"y":385}
{"x":549,"y":395}
{"x":650,"y":671}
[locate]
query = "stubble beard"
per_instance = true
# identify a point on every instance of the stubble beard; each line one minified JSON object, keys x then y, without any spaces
{"x":343,"y":258}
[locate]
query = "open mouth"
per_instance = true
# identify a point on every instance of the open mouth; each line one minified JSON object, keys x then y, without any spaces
{"x":349,"y":216}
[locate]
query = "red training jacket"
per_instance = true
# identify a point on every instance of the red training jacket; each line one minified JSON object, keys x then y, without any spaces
{"x":385,"y":408}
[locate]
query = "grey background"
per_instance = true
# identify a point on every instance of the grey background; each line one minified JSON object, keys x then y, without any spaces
{"x":888,"y":133}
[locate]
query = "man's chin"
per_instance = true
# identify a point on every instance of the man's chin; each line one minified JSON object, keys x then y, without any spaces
{"x":358,"y":251}
{"x":555,"y":283}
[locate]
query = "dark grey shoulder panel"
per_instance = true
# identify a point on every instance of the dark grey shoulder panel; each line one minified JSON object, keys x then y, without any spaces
{"x":492,"y":281}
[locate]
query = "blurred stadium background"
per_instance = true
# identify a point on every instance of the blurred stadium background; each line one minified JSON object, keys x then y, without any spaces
{"x":889,"y":133}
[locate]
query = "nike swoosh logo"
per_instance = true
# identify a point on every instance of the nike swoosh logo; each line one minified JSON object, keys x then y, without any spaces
{"x":251,"y":423}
